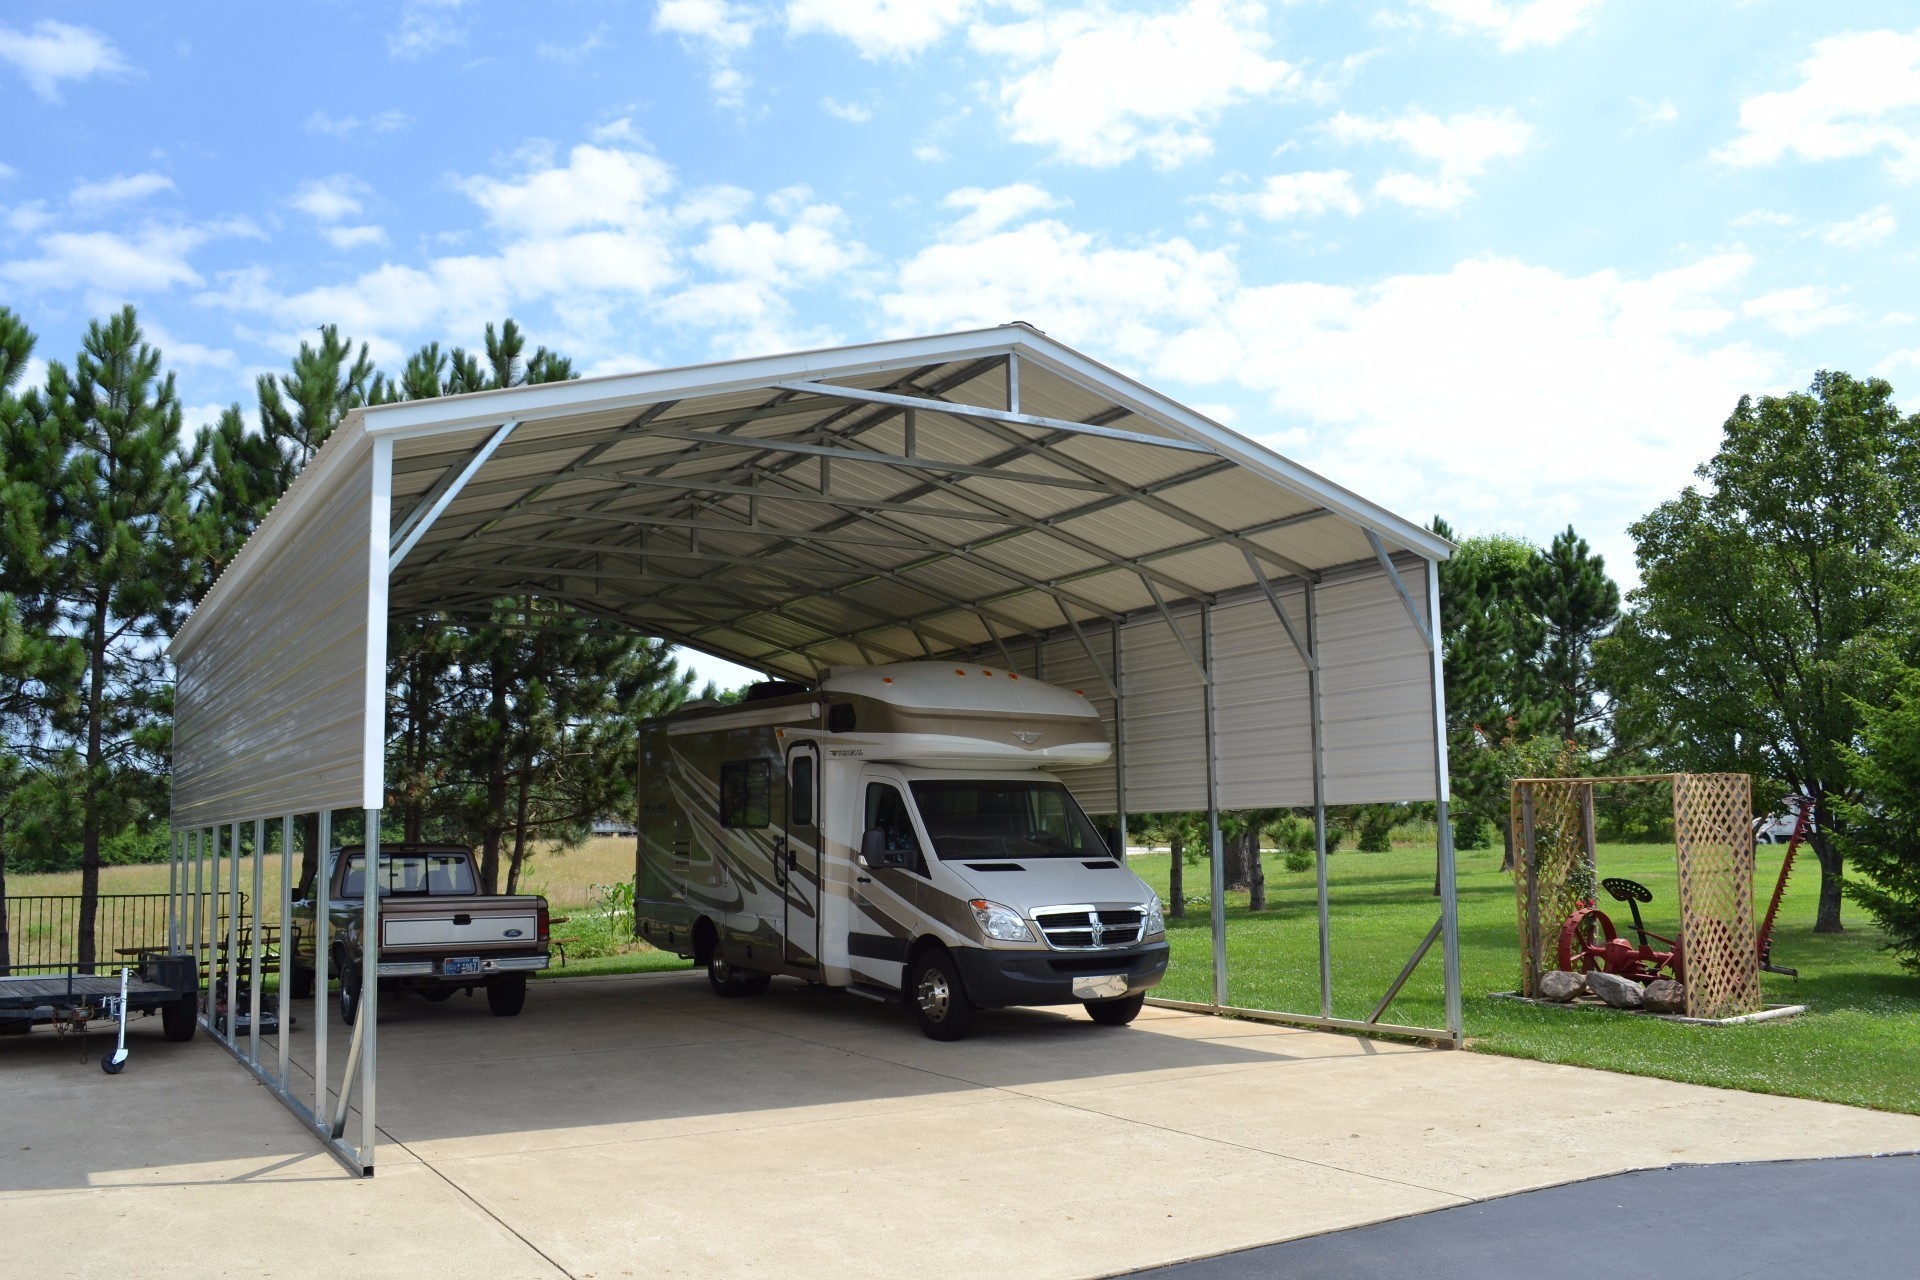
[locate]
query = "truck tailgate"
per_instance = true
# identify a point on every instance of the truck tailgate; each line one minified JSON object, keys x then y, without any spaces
{"x":514,"y":923}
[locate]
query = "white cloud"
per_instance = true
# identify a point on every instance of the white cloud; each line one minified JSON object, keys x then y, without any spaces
{"x":1800,"y":311}
{"x":721,"y":30}
{"x":989,"y":210}
{"x":354,"y":237}
{"x":1518,"y":24}
{"x":331,"y":199}
{"x":927,"y":153}
{"x":93,"y":196}
{"x":1864,"y":232}
{"x":1460,"y":146}
{"x":117,"y":264}
{"x":52,"y":52}
{"x":426,"y":26}
{"x":593,"y":40}
{"x":1765,"y":218}
{"x":1661,"y":112}
{"x":1102,"y":86}
{"x":1859,"y":95}
{"x":1308,"y":193}
{"x":851,"y":112}
{"x":881,"y":28}
{"x":597,"y":186}
{"x":349,"y":126}
{"x":615,"y":132}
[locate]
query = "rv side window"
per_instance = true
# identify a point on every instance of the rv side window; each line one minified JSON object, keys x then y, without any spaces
{"x":887,"y":810}
{"x":802,"y":785}
{"x":746,"y":790}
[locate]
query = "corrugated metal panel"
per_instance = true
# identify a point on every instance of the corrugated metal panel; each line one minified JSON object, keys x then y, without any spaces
{"x":1265,"y":733}
{"x":1376,"y":690}
{"x":270,"y":709}
{"x":1166,"y":716}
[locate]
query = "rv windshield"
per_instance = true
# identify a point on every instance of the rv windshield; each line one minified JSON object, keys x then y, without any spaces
{"x":997,"y":818}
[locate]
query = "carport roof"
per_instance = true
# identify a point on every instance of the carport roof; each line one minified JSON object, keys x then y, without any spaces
{"x":870,"y":503}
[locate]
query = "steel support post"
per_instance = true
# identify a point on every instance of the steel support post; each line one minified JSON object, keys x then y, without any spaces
{"x":173,"y":885}
{"x":283,"y":1016}
{"x":199,"y":888}
{"x":368,"y":1015}
{"x":322,"y":956}
{"x":1317,"y":731}
{"x":1217,"y":874}
{"x":1449,"y":892}
{"x":1119,"y":744}
{"x":253,"y":941}
{"x":233,"y":933}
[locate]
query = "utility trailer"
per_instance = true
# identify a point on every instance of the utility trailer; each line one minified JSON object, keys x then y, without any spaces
{"x":165,"y":985}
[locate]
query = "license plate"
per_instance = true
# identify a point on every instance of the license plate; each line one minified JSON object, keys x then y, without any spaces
{"x":463,"y":964}
{"x":1104,"y":987}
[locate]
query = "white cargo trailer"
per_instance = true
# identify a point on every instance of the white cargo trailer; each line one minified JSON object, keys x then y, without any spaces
{"x":896,"y":833}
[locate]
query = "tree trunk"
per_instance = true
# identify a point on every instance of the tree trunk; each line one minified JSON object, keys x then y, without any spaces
{"x":309,"y":853}
{"x":1176,"y":867}
{"x":492,"y":825}
{"x":92,"y":803}
{"x":519,"y":827}
{"x":1832,"y":863}
{"x":1256,"y":870}
{"x":1506,"y":843}
{"x":1235,"y":851}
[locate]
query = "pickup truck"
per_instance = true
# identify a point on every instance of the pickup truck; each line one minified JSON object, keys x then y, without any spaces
{"x":438,"y":934}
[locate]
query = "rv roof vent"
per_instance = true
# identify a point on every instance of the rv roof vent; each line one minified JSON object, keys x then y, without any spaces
{"x":995,"y":866}
{"x":1100,"y":866}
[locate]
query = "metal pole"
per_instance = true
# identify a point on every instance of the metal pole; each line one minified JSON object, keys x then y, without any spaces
{"x":1217,"y":872}
{"x":233,"y":932}
{"x":322,"y":938}
{"x":369,"y":1011}
{"x":199,"y":887}
{"x":283,"y":1015}
{"x":1318,"y":733}
{"x":1449,"y":892}
{"x":173,"y":890}
{"x":253,"y":946}
{"x":1119,"y":744}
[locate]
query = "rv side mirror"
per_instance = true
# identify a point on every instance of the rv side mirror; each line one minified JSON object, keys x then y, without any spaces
{"x":873,"y":847}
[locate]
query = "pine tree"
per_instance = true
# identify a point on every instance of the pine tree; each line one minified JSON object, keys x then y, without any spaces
{"x":122,"y":556}
{"x":1578,"y":603}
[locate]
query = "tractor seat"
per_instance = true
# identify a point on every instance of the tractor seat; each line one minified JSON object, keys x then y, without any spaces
{"x":1624,"y":890}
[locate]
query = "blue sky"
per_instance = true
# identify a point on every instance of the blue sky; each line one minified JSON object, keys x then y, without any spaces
{"x":1511,"y":261}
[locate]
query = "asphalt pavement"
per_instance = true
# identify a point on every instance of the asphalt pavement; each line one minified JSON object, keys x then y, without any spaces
{"x":1839,"y":1219}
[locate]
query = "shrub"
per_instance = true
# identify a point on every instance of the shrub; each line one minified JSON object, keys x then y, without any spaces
{"x":1472,"y":832}
{"x":1882,"y":834}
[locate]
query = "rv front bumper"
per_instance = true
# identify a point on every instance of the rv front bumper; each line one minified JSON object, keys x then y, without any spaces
{"x":996,"y":979}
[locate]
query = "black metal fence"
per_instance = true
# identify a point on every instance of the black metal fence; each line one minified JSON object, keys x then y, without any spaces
{"x":43,"y":931}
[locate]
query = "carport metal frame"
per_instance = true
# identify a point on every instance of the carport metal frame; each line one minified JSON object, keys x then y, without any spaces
{"x":390,"y":543}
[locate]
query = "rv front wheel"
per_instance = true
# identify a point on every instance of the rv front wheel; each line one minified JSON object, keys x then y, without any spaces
{"x":1116,"y":1013}
{"x":940,"y":1003}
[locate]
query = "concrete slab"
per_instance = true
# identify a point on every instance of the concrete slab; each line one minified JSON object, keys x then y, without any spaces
{"x":639,"y":1125}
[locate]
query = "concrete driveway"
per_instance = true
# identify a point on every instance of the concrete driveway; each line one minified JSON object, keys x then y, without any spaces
{"x":640,"y":1126}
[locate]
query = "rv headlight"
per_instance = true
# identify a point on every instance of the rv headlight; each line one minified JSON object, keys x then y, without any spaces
{"x":1002,"y":924}
{"x":1154,"y":921}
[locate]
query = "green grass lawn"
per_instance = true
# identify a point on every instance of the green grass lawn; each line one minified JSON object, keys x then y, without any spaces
{"x":1859,"y":1041}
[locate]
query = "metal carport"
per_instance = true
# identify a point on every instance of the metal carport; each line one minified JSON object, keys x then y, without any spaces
{"x":1254,"y":635}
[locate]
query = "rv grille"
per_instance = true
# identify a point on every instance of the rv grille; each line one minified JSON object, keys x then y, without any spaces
{"x":1088,"y":928}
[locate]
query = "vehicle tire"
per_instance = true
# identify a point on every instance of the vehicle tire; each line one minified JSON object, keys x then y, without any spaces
{"x":725,"y":980}
{"x":179,"y":1020}
{"x":301,"y":982}
{"x":506,"y":994}
{"x":755,"y":984}
{"x":1116,"y":1013}
{"x":15,"y":1026}
{"x":349,"y":996}
{"x":939,"y":1001}
{"x":435,"y":995}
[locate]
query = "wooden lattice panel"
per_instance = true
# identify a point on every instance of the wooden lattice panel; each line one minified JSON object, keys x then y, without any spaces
{"x":1553,"y":834}
{"x":1713,"y":837}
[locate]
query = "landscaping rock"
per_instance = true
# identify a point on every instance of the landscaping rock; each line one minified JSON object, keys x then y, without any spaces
{"x":1664,"y":995}
{"x":1621,"y":993}
{"x":1560,"y":986}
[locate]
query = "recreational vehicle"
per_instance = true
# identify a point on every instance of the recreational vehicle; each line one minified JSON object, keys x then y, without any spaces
{"x":895,"y":833}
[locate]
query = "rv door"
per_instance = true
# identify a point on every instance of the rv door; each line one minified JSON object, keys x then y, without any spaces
{"x":798,"y":860}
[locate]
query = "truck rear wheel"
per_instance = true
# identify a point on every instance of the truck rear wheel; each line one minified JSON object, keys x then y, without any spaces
{"x":506,"y":994}
{"x":1116,"y":1013}
{"x":726,"y":981}
{"x":939,"y":1001}
{"x":349,"y":996}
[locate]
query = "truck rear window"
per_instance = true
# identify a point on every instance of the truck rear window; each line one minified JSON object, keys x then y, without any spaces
{"x":417,"y":874}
